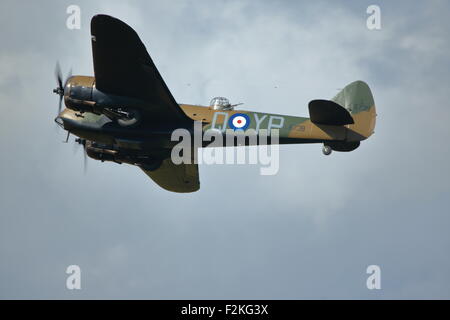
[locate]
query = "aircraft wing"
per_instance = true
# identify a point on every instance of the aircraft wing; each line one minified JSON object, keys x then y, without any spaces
{"x":177,"y":178}
{"x":122,"y":66}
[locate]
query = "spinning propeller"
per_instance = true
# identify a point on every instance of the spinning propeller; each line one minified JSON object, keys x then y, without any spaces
{"x":83,"y":143}
{"x":59,"y":80}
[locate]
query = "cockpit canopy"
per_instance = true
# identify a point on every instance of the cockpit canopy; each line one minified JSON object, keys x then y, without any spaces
{"x":220,"y":103}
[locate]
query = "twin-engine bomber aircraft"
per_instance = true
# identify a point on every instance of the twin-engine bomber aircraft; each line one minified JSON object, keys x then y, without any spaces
{"x":126,"y":113}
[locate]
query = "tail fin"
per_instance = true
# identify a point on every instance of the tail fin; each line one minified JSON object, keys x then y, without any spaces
{"x":358,"y":100}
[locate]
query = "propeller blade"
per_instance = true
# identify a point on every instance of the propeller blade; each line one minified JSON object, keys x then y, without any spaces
{"x":83,"y":143}
{"x":58,"y":75}
{"x":84,"y":160}
{"x":59,"y":80}
{"x":67,"y":137}
{"x":76,"y":146}
{"x":60,"y":104}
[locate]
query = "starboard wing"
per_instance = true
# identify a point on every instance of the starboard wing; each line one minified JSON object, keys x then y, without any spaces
{"x":122,"y":66}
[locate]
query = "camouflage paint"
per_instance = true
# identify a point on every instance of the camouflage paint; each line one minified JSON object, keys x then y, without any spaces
{"x":355,"y":97}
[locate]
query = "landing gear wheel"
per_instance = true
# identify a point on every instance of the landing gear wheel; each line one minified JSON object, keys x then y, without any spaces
{"x":326,"y":150}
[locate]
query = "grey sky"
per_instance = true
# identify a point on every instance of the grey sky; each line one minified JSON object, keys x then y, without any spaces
{"x":308,"y":232}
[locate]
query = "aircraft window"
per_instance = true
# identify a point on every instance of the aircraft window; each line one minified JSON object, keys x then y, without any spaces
{"x":220,"y":103}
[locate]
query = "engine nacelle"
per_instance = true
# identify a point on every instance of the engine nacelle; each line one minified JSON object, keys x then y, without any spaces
{"x":78,"y":94}
{"x":106,"y":153}
{"x":101,"y":154}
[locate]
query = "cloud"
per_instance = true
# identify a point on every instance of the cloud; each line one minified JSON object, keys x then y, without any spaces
{"x":308,"y":232}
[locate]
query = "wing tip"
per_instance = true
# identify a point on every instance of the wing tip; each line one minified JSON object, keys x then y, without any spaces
{"x":100,"y":20}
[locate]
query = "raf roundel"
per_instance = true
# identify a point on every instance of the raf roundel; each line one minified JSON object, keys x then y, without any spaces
{"x":239,"y":121}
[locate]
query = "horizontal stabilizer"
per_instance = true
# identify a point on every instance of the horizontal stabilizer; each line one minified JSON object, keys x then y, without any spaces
{"x":329,"y":113}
